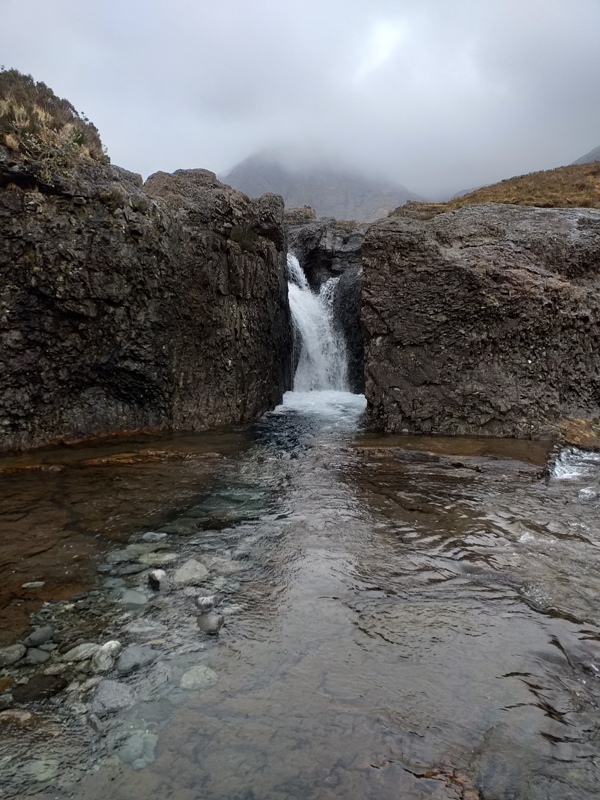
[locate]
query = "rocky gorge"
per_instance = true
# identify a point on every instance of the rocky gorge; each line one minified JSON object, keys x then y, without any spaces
{"x":224,"y":590}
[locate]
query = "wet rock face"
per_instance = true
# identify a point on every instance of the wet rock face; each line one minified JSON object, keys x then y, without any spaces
{"x":124,"y":307}
{"x":483,"y":321}
{"x":328,"y":248}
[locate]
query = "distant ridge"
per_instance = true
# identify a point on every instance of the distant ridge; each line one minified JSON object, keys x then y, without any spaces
{"x":576,"y":186}
{"x":331,"y":192}
{"x":588,"y":158}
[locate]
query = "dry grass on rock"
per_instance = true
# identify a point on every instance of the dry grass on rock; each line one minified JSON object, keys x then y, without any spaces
{"x":577,"y":186}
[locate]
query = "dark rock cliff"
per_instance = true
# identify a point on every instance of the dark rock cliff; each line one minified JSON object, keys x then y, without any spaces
{"x":483,"y":321}
{"x":125,"y":307}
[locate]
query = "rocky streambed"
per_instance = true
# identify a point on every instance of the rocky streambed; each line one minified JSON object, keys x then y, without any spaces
{"x":411,"y":617}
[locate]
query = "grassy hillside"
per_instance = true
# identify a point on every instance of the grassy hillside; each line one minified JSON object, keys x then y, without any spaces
{"x":42,"y":129}
{"x":577,"y":186}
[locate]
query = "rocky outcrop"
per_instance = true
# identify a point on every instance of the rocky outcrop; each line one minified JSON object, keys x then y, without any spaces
{"x":326,"y":247}
{"x":483,"y":321}
{"x":125,"y":307}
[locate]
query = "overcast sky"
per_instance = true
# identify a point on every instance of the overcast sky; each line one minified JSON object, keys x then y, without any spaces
{"x":440,"y":95}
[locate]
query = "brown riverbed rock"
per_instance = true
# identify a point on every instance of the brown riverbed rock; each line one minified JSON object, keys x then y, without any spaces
{"x":483,"y":321}
{"x":126,"y":307}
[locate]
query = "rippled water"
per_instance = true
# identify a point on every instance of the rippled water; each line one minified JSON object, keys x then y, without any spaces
{"x":405,"y":618}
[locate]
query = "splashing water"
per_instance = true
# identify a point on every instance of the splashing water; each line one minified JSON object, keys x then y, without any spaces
{"x":323,"y":359}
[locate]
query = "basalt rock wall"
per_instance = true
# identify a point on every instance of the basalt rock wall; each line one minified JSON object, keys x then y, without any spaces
{"x":483,"y":321}
{"x":127,"y":307}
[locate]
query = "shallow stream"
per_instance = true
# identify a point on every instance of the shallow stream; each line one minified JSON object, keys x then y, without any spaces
{"x":404,"y":617}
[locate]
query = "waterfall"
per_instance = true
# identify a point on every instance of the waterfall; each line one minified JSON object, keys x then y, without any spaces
{"x":323,"y":360}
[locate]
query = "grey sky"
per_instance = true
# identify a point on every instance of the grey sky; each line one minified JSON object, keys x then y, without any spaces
{"x":440,"y":95}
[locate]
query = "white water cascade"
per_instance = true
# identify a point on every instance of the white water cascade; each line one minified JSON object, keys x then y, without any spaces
{"x":322,"y":365}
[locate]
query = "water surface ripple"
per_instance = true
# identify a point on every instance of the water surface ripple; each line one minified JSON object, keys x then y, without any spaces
{"x":411,"y":619}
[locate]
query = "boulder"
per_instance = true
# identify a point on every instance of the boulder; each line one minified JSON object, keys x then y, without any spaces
{"x":126,"y":307}
{"x":482,"y":321}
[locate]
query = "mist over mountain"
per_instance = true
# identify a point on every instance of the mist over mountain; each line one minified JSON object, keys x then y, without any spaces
{"x":333,"y":191}
{"x":588,"y":158}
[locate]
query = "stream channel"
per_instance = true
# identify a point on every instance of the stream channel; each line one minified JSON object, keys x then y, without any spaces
{"x":404,"y":617}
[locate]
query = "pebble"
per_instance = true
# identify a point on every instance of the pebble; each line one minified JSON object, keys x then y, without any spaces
{"x":210,"y":623}
{"x":114,"y":583}
{"x":141,"y":745}
{"x":6,"y":701}
{"x":154,"y":536}
{"x":33,"y":585}
{"x":157,"y":580}
{"x":198,"y":677}
{"x":82,"y":652}
{"x":39,"y":636}
{"x":104,"y":660}
{"x":35,"y":656}
{"x":111,"y":696}
{"x":55,"y":669}
{"x":131,"y":597}
{"x":135,"y":656}
{"x":11,"y":654}
{"x":192,"y":573}
{"x":129,"y":569}
{"x":206,"y":603}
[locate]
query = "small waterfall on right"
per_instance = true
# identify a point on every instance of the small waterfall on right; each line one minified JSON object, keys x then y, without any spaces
{"x":322,"y":364}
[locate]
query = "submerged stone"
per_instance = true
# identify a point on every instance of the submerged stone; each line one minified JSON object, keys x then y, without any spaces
{"x":199,"y":677}
{"x":192,"y":573}
{"x":112,"y":696}
{"x":135,"y":656}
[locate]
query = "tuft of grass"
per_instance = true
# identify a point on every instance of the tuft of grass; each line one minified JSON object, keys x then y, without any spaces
{"x":44,"y":130}
{"x":577,"y":186}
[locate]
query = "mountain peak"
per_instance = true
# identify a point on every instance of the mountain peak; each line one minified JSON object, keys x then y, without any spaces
{"x":302,"y":178}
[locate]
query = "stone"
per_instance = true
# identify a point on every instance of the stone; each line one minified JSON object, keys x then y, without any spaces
{"x":110,"y":697}
{"x":81,"y":652}
{"x":104,"y":659}
{"x":192,"y":573}
{"x":154,"y":536}
{"x":132,"y":597}
{"x":39,"y":687}
{"x":225,"y":566}
{"x":159,"y":559}
{"x":56,"y":669}
{"x":210,"y":623}
{"x":6,"y":701}
{"x":33,"y":585}
{"x":114,"y":583}
{"x":141,"y":745}
{"x":11,"y":654}
{"x":157,"y":580}
{"x":36,"y":656}
{"x":481,"y":321}
{"x":135,"y":656}
{"x":198,"y":677}
{"x":39,"y":636}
